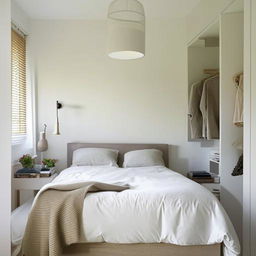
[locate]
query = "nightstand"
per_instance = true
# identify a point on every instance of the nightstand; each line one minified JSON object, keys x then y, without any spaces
{"x":34,"y":184}
{"x":212,"y":186}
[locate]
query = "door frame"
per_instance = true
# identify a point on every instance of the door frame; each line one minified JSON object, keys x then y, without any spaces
{"x":249,"y":180}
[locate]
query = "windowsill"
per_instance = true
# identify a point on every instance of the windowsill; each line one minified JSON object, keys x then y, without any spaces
{"x":18,"y":140}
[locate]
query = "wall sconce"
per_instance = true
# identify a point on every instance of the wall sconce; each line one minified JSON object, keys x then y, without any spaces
{"x":57,"y":124}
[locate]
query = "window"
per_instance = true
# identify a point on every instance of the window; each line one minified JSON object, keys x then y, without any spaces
{"x":19,"y":102}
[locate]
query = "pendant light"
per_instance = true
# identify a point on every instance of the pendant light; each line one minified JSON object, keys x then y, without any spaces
{"x":126,"y":30}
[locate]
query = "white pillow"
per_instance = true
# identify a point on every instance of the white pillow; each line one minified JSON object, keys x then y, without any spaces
{"x":95,"y":157}
{"x":143,"y":158}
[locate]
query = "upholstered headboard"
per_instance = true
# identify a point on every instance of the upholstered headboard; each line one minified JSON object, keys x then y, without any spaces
{"x":122,"y":148}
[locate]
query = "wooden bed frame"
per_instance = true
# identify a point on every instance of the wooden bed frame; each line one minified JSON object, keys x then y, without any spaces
{"x":107,"y":249}
{"x":104,"y":249}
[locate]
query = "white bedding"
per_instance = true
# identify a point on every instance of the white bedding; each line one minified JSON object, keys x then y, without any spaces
{"x":161,"y":206}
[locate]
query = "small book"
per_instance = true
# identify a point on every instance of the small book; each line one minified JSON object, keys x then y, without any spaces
{"x":200,"y":174}
{"x":47,"y":172}
{"x":203,"y":180}
{"x":27,"y":175}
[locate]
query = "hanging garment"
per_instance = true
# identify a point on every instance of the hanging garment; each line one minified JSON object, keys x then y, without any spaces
{"x":238,"y":118}
{"x":194,"y":113}
{"x":209,"y":106}
{"x":238,"y":170}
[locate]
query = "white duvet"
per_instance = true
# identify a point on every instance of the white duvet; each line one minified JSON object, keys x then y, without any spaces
{"x":160,"y":206}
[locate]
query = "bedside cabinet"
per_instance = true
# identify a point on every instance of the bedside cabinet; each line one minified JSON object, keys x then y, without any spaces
{"x":212,"y":186}
{"x":33,"y":184}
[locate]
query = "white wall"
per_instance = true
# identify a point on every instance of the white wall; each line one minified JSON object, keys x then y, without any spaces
{"x":231,"y":64}
{"x":107,"y":100}
{"x":19,"y":18}
{"x":5,"y":127}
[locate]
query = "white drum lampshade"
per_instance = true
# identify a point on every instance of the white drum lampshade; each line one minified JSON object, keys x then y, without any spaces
{"x":126,"y":30}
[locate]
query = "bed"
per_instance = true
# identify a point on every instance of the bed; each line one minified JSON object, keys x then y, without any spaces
{"x":182,"y":217}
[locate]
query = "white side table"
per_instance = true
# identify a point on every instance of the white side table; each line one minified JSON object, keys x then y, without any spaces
{"x":211,"y":186}
{"x":34,"y":184}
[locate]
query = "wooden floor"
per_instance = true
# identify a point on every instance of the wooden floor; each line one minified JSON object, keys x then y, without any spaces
{"x":104,"y":249}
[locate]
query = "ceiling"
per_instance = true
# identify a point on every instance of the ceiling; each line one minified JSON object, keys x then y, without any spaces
{"x":97,"y":9}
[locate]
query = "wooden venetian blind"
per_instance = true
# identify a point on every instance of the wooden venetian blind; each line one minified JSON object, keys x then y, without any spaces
{"x":18,"y":84}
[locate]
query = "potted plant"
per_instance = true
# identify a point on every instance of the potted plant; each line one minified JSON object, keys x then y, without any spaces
{"x":49,"y":163}
{"x":27,"y":163}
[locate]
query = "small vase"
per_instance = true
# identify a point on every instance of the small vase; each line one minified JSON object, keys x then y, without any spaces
{"x":42,"y":144}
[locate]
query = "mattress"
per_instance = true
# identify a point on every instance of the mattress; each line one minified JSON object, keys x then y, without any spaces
{"x":161,"y":206}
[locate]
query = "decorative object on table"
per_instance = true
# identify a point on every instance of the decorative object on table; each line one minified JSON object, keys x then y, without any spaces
{"x":47,"y":172}
{"x":57,"y":125}
{"x":201,"y":176}
{"x":38,"y":167}
{"x":42,"y":144}
{"x":238,"y":170}
{"x":28,"y":170}
{"x":27,"y":161}
{"x":49,"y":163}
{"x":126,"y":30}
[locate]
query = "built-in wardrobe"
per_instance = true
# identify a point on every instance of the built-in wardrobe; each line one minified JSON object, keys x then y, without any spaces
{"x":218,"y":52}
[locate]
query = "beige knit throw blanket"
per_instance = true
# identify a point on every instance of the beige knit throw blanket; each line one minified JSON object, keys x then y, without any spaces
{"x":55,"y":220}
